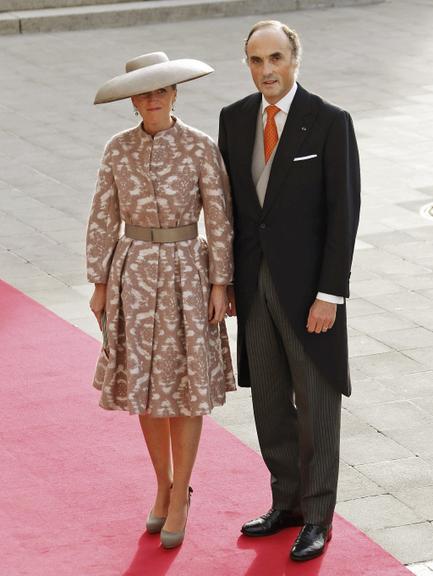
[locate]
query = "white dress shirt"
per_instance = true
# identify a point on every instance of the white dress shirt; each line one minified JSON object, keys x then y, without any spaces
{"x":280,"y":119}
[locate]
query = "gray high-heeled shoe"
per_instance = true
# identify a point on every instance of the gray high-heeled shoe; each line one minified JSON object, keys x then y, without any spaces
{"x":154,"y":523}
{"x":174,"y":539}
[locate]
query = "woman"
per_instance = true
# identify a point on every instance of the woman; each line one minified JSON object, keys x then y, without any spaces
{"x":160,"y":291}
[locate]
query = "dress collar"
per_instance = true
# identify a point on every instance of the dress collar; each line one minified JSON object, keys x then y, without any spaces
{"x":162,"y":133}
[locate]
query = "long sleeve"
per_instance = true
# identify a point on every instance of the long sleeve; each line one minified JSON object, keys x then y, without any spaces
{"x":342,"y":181}
{"x":217,"y":207}
{"x":104,"y":223}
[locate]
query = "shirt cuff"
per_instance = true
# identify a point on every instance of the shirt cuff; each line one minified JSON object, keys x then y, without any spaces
{"x":330,"y":298}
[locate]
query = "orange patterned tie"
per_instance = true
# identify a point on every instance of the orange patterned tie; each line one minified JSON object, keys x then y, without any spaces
{"x":270,"y":135}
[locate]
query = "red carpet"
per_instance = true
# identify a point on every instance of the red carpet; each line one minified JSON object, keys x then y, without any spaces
{"x":76,"y":483}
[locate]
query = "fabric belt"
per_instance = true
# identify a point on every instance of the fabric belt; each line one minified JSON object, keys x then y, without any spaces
{"x":160,"y":235}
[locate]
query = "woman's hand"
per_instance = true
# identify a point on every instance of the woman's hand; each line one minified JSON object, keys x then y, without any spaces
{"x":97,"y":302}
{"x":231,"y":308}
{"x":217,"y":303}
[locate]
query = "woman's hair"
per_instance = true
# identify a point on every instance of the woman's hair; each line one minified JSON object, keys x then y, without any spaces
{"x":292,"y":35}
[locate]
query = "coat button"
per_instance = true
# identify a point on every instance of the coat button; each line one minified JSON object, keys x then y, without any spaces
{"x":262,"y":225}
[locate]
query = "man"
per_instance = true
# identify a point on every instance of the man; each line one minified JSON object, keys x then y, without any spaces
{"x":293,"y":164}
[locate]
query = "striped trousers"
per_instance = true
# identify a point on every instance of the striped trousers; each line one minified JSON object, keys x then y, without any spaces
{"x":297,"y":413}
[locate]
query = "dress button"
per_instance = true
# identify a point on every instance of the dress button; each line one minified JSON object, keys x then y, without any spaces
{"x":262,"y":225}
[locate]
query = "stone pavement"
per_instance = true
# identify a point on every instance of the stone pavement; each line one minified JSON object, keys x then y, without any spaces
{"x":24,"y":16}
{"x":376,"y":61}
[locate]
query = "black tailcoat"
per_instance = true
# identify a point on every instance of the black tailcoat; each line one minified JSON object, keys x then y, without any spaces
{"x":306,"y":229}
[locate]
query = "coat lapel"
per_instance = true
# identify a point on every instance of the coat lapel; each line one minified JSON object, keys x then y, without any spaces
{"x":296,"y":129}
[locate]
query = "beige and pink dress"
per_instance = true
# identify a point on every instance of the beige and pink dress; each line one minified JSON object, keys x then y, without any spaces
{"x":164,"y":358}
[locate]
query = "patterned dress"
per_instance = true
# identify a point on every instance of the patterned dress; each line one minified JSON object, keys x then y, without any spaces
{"x":163,"y":357}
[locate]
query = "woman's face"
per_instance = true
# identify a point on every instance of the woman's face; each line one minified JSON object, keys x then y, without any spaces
{"x":155,"y":105}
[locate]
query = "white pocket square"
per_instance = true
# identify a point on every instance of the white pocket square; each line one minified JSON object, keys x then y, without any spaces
{"x":299,"y":158}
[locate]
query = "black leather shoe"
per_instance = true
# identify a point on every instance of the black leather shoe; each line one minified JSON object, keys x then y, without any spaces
{"x":271,"y":523}
{"x":311,"y":542}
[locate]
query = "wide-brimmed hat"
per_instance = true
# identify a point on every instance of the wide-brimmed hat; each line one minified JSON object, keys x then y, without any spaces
{"x":150,"y":72}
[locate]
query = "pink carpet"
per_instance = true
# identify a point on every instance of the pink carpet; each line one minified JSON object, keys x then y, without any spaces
{"x":77,"y":484}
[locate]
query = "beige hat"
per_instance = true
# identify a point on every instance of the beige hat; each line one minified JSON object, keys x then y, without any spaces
{"x":150,"y":72}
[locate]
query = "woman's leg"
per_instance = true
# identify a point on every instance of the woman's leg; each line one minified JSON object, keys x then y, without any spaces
{"x":185,"y":437}
{"x":156,"y":432}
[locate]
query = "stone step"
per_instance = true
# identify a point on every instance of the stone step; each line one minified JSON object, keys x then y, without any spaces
{"x":150,"y":11}
{"x":12,"y":5}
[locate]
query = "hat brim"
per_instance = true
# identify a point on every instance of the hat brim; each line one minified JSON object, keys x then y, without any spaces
{"x":151,"y":78}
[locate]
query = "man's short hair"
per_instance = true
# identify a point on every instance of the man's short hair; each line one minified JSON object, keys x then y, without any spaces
{"x":292,"y":35}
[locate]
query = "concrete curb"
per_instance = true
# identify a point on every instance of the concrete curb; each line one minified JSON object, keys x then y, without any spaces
{"x":152,"y":11}
{"x":19,"y":5}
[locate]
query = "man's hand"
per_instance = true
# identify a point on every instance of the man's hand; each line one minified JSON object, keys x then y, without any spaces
{"x":231,"y":308}
{"x":321,"y":317}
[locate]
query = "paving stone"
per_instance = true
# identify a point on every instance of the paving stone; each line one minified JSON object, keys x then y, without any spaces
{"x":11,"y":226}
{"x":360,"y":307}
{"x":362,"y":245}
{"x":386,"y":364}
{"x":414,"y":250}
{"x":9,"y":24}
{"x":57,"y":294}
{"x":410,"y":543}
{"x":363,"y":345}
{"x":246,"y":434}
{"x":89,"y":326}
{"x":359,"y":275}
{"x":401,"y":301}
{"x":419,"y":440}
{"x":386,"y":263}
{"x":371,"y":287}
{"x":67,"y":235}
{"x":422,"y":317}
{"x":419,"y":499}
{"x":425,"y":404}
{"x":15,"y":243}
{"x":424,"y":355}
{"x":395,"y":475}
{"x":409,"y":386}
{"x":427,"y":293}
{"x":352,"y":425}
{"x":394,"y":415}
{"x":39,"y":252}
{"x":353,"y":484}
{"x":43,"y":284}
{"x":368,"y":391}
{"x":371,"y":447}
{"x":422,"y":232}
{"x":135,"y":13}
{"x":69,"y":310}
{"x":393,"y":238}
{"x":55,"y":224}
{"x":420,"y":569}
{"x":375,"y":512}
{"x":71,"y":278}
{"x":406,"y":339}
{"x":371,"y":323}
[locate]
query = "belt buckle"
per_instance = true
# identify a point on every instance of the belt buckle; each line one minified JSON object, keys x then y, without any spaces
{"x":155,"y":235}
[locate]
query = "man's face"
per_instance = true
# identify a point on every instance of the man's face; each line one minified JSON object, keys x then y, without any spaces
{"x":271,"y":63}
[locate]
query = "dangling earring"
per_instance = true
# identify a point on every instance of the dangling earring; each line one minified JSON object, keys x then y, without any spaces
{"x":172,"y":106}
